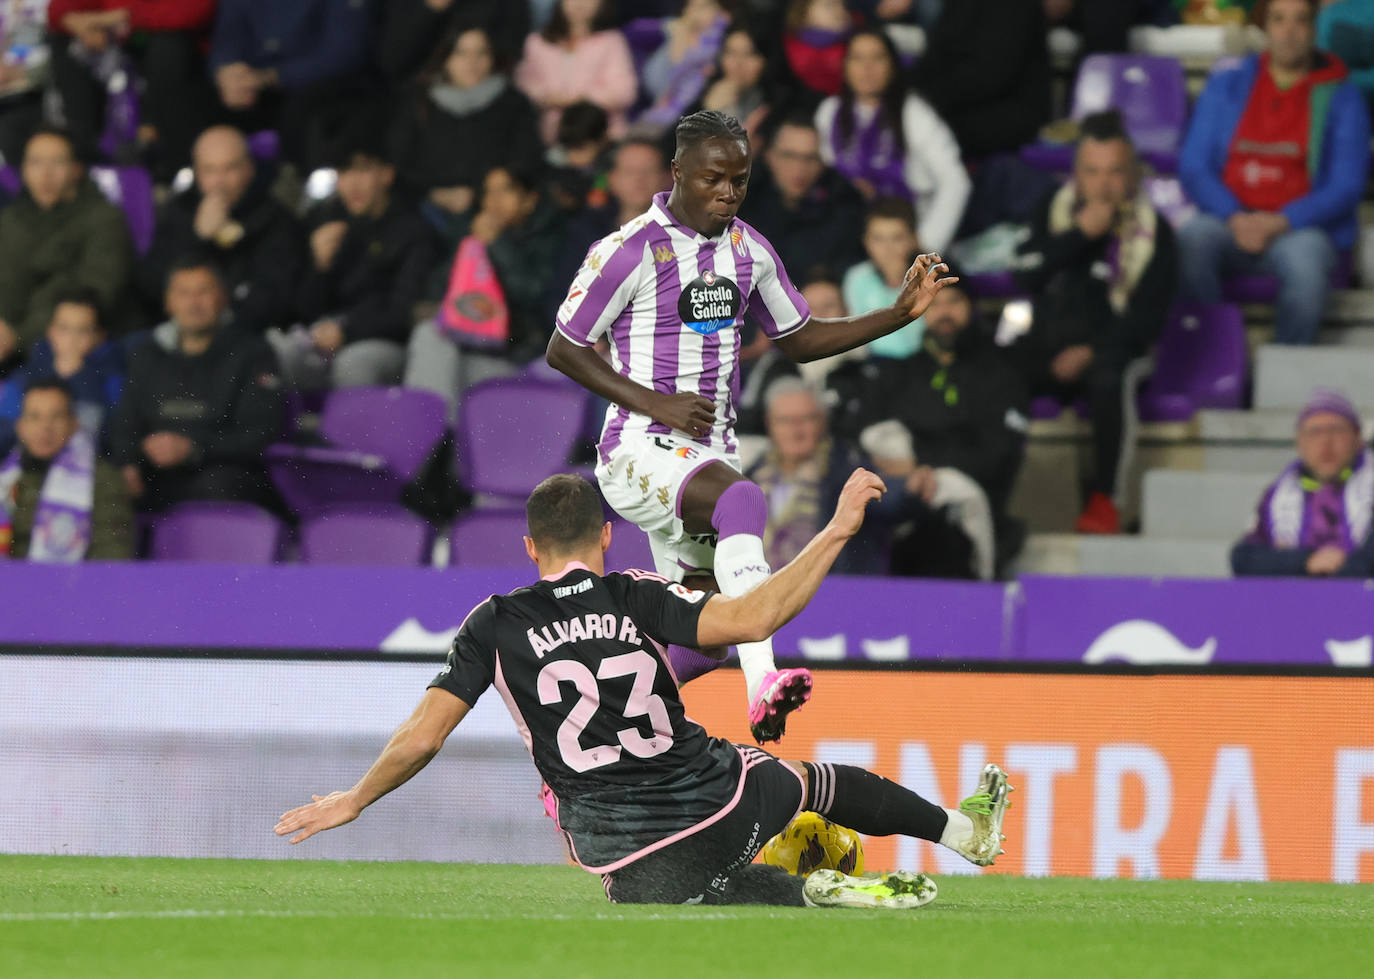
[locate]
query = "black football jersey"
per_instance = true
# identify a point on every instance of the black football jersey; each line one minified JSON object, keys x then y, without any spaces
{"x":581,"y":663}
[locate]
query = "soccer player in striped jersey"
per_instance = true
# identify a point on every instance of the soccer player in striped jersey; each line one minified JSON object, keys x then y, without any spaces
{"x":668,"y":292}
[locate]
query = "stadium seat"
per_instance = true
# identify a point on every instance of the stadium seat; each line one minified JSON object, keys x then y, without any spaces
{"x":489,"y":538}
{"x":994,"y":285}
{"x":131,"y":188}
{"x":1151,"y":93}
{"x":229,"y":533}
{"x":514,"y":432}
{"x":366,"y":534}
{"x":1200,"y":505}
{"x":1265,"y":288}
{"x":1170,"y":199}
{"x":629,"y":548}
{"x":1199,"y":363}
{"x":377,"y":441}
{"x":265,"y":145}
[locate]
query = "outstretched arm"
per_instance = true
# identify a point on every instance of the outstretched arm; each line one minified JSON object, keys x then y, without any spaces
{"x":766,"y":608}
{"x":826,"y":337}
{"x":683,"y":412}
{"x":409,"y":750}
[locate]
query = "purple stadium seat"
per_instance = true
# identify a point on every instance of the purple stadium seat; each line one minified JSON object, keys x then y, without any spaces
{"x":1199,"y":363}
{"x":1045,"y":408}
{"x":1170,"y":199}
{"x":490,"y":538}
{"x":366,"y":534}
{"x":644,"y":35}
{"x":514,"y":432}
{"x":10,"y":181}
{"x":229,"y":533}
{"x":1265,"y":288}
{"x":629,"y":548}
{"x":993,"y":285}
{"x":131,"y":189}
{"x":378,"y":440}
{"x":1151,"y":94}
{"x":265,"y":145}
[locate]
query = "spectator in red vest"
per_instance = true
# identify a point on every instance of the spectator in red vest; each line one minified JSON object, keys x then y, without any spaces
{"x":814,"y":43}
{"x":1276,"y":158}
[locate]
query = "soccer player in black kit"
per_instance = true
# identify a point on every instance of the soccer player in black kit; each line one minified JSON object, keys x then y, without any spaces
{"x":644,"y":797}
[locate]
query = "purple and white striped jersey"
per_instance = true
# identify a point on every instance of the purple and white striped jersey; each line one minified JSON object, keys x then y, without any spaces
{"x":670,"y":302}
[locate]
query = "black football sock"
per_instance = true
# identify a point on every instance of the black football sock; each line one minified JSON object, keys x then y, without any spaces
{"x":860,"y":800}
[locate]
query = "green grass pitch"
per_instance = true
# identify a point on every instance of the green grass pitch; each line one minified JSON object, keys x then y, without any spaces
{"x":75,"y":916}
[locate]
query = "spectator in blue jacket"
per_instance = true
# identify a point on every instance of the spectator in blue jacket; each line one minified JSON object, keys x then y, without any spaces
{"x":74,"y":349}
{"x":1276,"y":158}
{"x":1316,"y":518}
{"x":298,"y":67}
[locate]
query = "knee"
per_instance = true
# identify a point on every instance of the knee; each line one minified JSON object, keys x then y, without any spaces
{"x":366,"y":364}
{"x":1303,"y":255}
{"x":1204,"y":234}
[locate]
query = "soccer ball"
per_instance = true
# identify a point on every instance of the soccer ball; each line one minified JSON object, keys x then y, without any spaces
{"x":812,"y":842}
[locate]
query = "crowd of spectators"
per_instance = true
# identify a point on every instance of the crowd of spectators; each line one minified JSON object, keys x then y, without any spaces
{"x":463,"y":138}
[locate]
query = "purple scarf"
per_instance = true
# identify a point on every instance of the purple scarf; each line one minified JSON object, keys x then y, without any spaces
{"x":1295,"y":513}
{"x":62,"y":522}
{"x":687,"y":78}
{"x":870,"y":153}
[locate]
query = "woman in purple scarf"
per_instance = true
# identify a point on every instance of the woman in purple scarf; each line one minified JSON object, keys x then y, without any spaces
{"x":1315,"y":519}
{"x":890,"y":143}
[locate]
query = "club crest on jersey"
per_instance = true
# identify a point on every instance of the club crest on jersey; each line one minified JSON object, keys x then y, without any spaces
{"x":737,"y":239}
{"x":709,"y":303}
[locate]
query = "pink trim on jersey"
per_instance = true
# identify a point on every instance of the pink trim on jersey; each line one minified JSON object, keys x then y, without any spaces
{"x":568,"y":568}
{"x":682,"y":486}
{"x":679,"y":835}
{"x":499,"y":682}
{"x":663,"y":655}
{"x":641,"y":575}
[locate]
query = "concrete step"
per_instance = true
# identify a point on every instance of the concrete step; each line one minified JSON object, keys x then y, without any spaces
{"x":1124,"y":556}
{"x":1199,"y":505}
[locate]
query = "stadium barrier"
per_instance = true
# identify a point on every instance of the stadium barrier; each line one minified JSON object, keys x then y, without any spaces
{"x":179,"y":709}
{"x":861,"y":620}
{"x":1117,"y":775}
{"x":1121,"y":773}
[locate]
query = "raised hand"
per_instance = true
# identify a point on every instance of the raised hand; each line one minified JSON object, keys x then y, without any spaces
{"x":685,"y":412}
{"x":927,"y":276}
{"x":862,"y":488}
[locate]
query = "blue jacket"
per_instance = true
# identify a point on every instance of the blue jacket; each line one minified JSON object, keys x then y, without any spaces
{"x":306,"y":41}
{"x":1343,"y":166}
{"x":97,"y":386}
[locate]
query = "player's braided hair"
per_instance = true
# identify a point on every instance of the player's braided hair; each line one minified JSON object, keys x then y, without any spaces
{"x":704,"y":125}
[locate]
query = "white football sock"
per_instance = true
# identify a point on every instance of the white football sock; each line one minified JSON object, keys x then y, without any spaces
{"x":740,"y":565}
{"x":958,"y":829}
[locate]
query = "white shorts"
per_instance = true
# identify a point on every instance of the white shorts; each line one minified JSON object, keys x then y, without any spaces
{"x":643,"y":482}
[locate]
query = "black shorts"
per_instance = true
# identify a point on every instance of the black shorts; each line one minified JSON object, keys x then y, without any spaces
{"x":698,"y":869}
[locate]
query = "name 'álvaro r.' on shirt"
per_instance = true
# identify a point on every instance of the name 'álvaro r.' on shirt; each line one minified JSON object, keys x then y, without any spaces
{"x":670,"y":302}
{"x":577,"y":658}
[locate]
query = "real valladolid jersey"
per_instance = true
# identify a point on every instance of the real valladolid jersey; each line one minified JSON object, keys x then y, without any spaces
{"x":581,"y":663}
{"x":669,"y":302}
